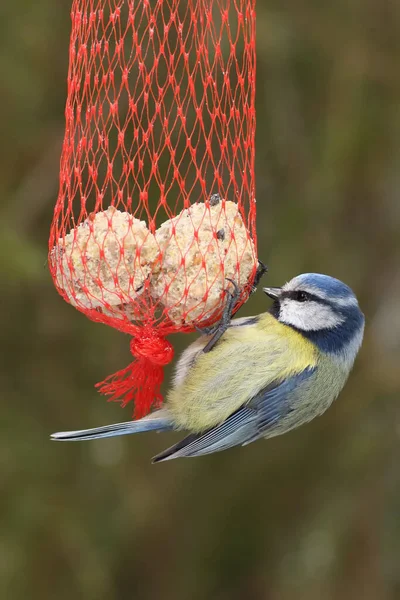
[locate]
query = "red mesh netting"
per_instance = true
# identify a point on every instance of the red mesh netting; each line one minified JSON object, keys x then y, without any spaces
{"x":156,"y":206}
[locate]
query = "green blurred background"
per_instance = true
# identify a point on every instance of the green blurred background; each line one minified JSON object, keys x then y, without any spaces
{"x":311,"y":515}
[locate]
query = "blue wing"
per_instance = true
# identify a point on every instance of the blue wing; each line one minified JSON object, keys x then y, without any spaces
{"x":246,"y":425}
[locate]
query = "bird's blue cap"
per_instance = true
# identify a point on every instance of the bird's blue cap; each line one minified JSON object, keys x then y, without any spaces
{"x":329,"y":286}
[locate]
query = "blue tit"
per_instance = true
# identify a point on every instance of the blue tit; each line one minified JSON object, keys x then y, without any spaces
{"x":264,"y":376}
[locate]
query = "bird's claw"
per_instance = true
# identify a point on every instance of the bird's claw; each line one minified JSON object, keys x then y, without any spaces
{"x":217,"y":330}
{"x":261,"y":270}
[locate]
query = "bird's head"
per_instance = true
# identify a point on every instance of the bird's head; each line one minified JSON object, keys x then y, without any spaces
{"x":323,"y":309}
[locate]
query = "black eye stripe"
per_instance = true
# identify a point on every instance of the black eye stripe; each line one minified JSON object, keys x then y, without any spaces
{"x":301,"y":296}
{"x":293,"y":295}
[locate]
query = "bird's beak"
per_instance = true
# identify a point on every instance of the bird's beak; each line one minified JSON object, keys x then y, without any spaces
{"x":273,"y":293}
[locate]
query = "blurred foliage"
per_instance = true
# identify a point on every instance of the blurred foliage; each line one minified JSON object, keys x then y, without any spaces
{"x":310,"y":515}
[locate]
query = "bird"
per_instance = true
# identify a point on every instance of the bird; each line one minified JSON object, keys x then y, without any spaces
{"x":257,"y":377}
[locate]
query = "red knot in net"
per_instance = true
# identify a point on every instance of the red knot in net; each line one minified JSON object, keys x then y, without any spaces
{"x":152,"y":347}
{"x":141,"y":380}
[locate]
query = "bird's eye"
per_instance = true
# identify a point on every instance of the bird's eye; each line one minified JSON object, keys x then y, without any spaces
{"x":301,"y":296}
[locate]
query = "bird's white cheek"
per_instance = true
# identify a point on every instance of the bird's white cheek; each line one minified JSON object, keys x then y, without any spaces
{"x":308,"y":316}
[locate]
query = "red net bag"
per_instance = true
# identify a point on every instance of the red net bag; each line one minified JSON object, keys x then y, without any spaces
{"x":156,"y":205}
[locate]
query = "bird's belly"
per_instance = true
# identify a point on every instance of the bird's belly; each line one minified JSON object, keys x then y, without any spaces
{"x":313,"y":398}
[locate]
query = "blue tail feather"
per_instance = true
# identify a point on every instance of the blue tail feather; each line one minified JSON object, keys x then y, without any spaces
{"x":158,"y":421}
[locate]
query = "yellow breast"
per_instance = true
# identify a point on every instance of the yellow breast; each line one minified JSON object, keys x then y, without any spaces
{"x":247,"y":359}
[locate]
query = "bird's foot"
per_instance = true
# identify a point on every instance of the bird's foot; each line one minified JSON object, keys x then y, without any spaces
{"x":217,"y":330}
{"x":261,"y":270}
